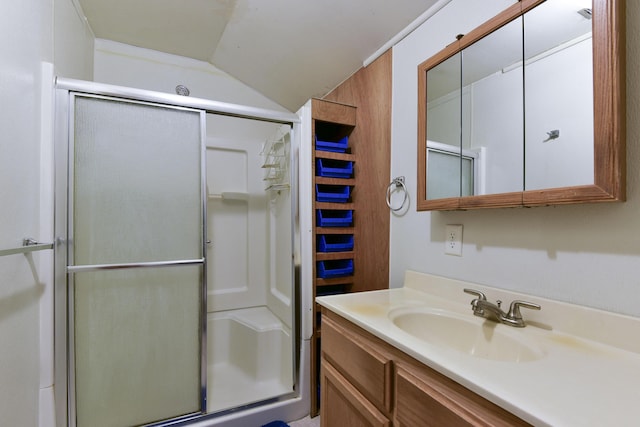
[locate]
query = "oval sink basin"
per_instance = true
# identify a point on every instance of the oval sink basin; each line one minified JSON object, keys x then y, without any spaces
{"x":468,"y":334}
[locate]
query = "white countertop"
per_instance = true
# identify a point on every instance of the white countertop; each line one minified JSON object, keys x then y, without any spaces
{"x":588,"y":375}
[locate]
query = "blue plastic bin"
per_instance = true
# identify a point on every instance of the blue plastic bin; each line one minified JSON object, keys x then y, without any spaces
{"x":332,"y":193}
{"x":335,"y":242}
{"x":334,"y":168}
{"x":334,"y":268}
{"x":334,"y":218}
{"x":339,"y":146}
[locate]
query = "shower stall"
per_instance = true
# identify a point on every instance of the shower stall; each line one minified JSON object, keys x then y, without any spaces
{"x":177,"y":273}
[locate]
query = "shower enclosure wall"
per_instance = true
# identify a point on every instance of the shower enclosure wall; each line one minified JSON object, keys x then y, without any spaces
{"x":249,"y":272}
{"x":177,"y":300}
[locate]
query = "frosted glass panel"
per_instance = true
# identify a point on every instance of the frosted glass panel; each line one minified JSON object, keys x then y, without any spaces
{"x":137,"y":197}
{"x":443,"y":175}
{"x":449,"y":175}
{"x":137,"y":183}
{"x":137,"y":345}
{"x":467,"y":180}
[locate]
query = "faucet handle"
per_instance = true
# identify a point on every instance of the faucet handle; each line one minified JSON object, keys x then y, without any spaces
{"x":478,"y":294}
{"x":514,"y":309}
{"x":474,"y":304}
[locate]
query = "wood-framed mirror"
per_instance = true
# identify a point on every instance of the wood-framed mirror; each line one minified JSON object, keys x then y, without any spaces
{"x":528,"y":109}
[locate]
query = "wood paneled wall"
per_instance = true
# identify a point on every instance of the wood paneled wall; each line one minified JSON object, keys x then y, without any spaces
{"x":369,"y":90}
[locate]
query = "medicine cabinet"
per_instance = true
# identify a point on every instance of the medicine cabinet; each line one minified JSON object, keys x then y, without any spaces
{"x":528,"y":109}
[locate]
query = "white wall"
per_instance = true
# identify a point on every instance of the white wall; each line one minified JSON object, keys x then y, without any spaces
{"x":74,"y":39}
{"x":24,"y":29}
{"x":237,"y":267}
{"x":585,"y":254}
{"x":126,"y":65}
{"x":29,"y":40}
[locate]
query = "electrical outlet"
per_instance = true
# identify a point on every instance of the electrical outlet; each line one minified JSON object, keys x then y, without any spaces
{"x":453,"y":240}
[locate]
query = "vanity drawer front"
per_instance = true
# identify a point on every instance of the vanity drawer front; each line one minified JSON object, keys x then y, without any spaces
{"x":428,"y":399}
{"x":364,"y":365}
{"x":343,"y":405}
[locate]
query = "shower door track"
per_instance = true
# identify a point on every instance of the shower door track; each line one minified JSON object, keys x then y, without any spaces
{"x":207,"y":105}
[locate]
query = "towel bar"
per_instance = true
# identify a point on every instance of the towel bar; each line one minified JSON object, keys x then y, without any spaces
{"x":28,"y":245}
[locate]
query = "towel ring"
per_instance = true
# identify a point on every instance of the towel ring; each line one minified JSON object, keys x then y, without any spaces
{"x":397,"y":182}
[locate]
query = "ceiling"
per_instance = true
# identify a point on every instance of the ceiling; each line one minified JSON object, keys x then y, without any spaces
{"x":288,"y":50}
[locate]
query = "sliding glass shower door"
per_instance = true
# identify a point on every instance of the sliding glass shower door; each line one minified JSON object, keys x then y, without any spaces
{"x":135,"y":262}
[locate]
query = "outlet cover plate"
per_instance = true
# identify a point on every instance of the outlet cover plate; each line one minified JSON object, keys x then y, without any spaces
{"x":453,"y":239}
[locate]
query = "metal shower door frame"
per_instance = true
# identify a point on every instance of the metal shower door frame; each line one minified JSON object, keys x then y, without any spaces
{"x":66,"y":91}
{"x":69,"y":248}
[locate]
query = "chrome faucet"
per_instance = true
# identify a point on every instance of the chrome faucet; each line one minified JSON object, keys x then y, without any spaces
{"x":483,"y":308}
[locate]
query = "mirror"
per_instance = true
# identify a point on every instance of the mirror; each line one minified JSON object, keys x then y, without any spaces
{"x":444,"y":104}
{"x":559,"y":95}
{"x":494,"y":117}
{"x":527,"y":109}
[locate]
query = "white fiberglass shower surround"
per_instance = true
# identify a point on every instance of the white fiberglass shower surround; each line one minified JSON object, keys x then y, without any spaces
{"x":176,"y":261}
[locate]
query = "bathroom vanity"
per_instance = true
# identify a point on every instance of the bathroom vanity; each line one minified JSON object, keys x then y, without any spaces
{"x":359,"y":372}
{"x":417,"y":356}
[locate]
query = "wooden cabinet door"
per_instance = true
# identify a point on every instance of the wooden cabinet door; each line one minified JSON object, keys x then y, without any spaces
{"x":342,"y":405}
{"x":428,"y":399}
{"x":359,"y":361}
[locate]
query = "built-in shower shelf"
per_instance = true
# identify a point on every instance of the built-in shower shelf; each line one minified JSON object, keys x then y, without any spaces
{"x":275,"y":155}
{"x":273,"y":146}
{"x":229,"y":195}
{"x":277,"y":187}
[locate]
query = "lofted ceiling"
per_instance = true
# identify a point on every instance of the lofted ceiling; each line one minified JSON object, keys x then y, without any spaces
{"x":288,"y":50}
